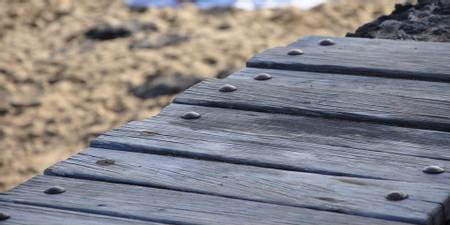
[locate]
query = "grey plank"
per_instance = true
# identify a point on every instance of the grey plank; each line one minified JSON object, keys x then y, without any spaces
{"x":287,"y":142}
{"x":173,"y":207}
{"x":417,"y":104}
{"x":352,"y":196}
{"x":33,"y":215}
{"x":358,"y":56}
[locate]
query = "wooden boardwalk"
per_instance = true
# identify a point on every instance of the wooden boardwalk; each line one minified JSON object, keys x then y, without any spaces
{"x":333,"y":137}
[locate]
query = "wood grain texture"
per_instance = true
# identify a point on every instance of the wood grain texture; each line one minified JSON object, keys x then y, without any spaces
{"x":359,"y":56}
{"x":32,"y":215}
{"x":417,"y":104}
{"x":346,"y":195}
{"x":173,"y":207}
{"x":287,"y":142}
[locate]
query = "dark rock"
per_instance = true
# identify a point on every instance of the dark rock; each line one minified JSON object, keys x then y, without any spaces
{"x":441,"y":31}
{"x":138,"y":9}
{"x":3,"y":109}
{"x":413,"y":27}
{"x":429,"y":20}
{"x":210,"y":61}
{"x":107,"y":32}
{"x":160,"y":84}
{"x":224,"y":26}
{"x":433,"y":19}
{"x":391,"y":25}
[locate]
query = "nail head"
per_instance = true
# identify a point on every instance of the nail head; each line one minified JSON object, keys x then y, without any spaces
{"x":191,"y":115}
{"x":263,"y":76}
{"x":105,"y":162}
{"x":228,"y":88}
{"x":396,"y":196}
{"x":4,"y":216}
{"x":295,"y":51}
{"x":433,"y":169}
{"x":327,"y":42}
{"x":55,"y":190}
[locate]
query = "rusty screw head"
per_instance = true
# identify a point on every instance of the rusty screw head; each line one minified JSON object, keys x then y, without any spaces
{"x":149,"y":133}
{"x":263,"y":76}
{"x":55,"y":190}
{"x":105,"y":162}
{"x":397,"y":196}
{"x":433,"y":169}
{"x":4,"y":216}
{"x":227,"y":88}
{"x":327,"y":42}
{"x":295,"y":51}
{"x":191,"y":115}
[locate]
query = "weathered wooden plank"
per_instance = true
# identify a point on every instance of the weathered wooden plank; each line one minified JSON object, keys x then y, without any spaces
{"x":358,"y":56}
{"x":417,"y":104}
{"x":33,"y":215}
{"x":287,"y":142}
{"x":173,"y":207}
{"x":363,"y":197}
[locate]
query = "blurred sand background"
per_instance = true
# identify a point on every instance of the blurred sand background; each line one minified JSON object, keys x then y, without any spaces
{"x":70,"y":70}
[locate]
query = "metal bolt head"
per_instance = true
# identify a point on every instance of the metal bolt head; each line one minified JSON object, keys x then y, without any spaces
{"x":4,"y":216}
{"x":433,"y":169}
{"x":295,"y":51}
{"x":227,"y":88}
{"x":263,"y":76}
{"x":105,"y":162}
{"x":55,"y":190}
{"x":191,"y":115}
{"x":397,"y":196}
{"x":327,"y":42}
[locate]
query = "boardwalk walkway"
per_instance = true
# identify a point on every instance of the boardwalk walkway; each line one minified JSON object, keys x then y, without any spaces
{"x":352,"y":133}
